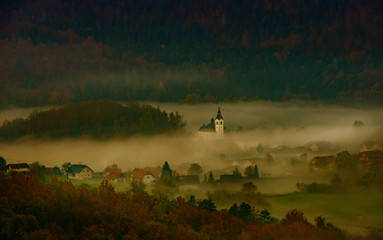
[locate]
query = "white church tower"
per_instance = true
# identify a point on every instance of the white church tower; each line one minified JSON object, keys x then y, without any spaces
{"x":219,"y":123}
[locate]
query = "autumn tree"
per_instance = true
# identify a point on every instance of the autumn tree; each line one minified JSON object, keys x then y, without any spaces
{"x":3,"y":163}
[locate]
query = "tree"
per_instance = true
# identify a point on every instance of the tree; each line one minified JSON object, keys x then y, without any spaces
{"x":260,"y":149}
{"x":245,"y":211}
{"x":294,"y":216}
{"x":255,"y":173}
{"x":236,"y":173}
{"x":166,"y":171}
{"x":249,"y":187}
{"x":207,"y":204}
{"x":265,"y":217}
{"x":3,"y":164}
{"x":64,"y":168}
{"x":234,"y":210}
{"x":211,"y":178}
{"x":195,"y":169}
{"x":248,"y":172}
{"x":110,"y":167}
{"x":37,"y":170}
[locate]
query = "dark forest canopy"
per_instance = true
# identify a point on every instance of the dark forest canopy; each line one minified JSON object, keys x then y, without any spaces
{"x":97,"y":119}
{"x":56,"y":52}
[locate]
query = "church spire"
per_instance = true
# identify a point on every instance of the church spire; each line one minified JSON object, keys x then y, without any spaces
{"x":219,"y":115}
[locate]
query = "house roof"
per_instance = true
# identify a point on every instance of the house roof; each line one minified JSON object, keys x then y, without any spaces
{"x":17,"y":166}
{"x":155,"y":171}
{"x":77,"y":168}
{"x":189,"y":179}
{"x":140,"y":173}
{"x":114,"y":174}
{"x":208,"y":128}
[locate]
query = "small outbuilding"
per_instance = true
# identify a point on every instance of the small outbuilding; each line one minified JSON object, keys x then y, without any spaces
{"x":18,"y":167}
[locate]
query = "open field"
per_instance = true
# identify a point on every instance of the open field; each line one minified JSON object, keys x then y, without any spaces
{"x":352,"y":212}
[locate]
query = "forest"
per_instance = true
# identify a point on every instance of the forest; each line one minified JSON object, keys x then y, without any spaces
{"x":97,"y":119}
{"x":190,"y":51}
{"x":32,"y":208}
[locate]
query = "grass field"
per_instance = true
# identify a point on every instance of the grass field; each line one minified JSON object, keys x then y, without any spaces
{"x":351,"y":212}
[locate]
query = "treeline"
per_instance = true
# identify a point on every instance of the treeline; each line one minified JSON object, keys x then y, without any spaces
{"x":58,"y":209}
{"x":97,"y":119}
{"x":191,"y":51}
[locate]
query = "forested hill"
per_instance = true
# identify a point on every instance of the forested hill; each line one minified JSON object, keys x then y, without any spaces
{"x":97,"y":119}
{"x":55,"y":52}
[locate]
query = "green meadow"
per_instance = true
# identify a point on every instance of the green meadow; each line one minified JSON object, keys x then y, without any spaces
{"x":352,"y":212}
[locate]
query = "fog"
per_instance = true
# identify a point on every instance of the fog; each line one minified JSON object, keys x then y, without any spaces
{"x":271,"y":124}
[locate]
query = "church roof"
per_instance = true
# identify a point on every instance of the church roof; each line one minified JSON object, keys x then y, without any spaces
{"x":219,"y":115}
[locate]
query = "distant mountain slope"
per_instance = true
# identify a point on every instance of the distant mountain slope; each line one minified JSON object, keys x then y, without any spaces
{"x":97,"y":119}
{"x":56,"y":52}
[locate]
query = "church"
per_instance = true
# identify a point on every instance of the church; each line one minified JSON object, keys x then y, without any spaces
{"x":215,"y":129}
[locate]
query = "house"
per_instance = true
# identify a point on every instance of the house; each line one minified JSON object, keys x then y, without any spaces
{"x":189,"y":180}
{"x":370,"y":146}
{"x":18,"y":167}
{"x":53,"y":172}
{"x":144,"y":176}
{"x":322,"y":163}
{"x":369,"y":157}
{"x":78,"y":171}
{"x":116,"y":175}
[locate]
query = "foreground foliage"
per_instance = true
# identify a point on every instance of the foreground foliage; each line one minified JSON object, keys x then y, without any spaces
{"x":30,"y":209}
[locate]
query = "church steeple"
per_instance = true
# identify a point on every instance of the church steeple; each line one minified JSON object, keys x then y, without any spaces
{"x":219,"y":115}
{"x":219,"y":123}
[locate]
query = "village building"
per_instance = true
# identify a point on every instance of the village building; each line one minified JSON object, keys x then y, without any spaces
{"x":146,"y":177}
{"x":322,"y":163}
{"x":189,"y":182}
{"x":18,"y":167}
{"x":215,"y":129}
{"x":78,"y":171}
{"x":370,"y":157}
{"x":116,"y":175}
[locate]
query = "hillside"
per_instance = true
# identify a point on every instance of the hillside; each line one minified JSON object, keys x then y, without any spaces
{"x":96,"y":119}
{"x":56,"y":52}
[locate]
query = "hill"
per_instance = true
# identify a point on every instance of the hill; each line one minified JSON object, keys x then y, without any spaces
{"x":56,"y":52}
{"x":97,"y":119}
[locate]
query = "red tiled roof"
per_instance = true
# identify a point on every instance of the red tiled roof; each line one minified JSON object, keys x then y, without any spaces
{"x":155,"y":171}
{"x":140,"y":173}
{"x":114,"y":173}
